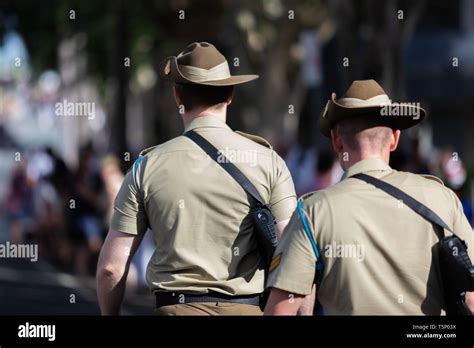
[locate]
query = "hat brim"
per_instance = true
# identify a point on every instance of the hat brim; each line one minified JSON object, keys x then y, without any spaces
{"x":335,"y":112}
{"x":169,"y":70}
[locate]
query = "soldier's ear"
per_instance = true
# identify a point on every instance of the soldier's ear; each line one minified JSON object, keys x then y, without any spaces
{"x":230,"y":97}
{"x":336,"y":141}
{"x":177,"y":97}
{"x":395,"y":139}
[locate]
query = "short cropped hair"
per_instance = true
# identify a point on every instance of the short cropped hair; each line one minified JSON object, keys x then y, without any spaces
{"x":363,"y":130}
{"x":193,"y":96}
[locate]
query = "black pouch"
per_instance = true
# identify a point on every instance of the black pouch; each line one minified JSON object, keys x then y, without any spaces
{"x":265,"y":234}
{"x":457,"y":274}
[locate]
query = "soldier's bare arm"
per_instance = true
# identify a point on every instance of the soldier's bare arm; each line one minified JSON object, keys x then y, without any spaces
{"x":470,"y":301}
{"x":112,"y":270}
{"x":282,"y":302}
{"x":307,"y":305}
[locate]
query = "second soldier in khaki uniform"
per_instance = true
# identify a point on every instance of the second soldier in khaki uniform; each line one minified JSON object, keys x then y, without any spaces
{"x":377,"y":255}
{"x":206,"y":259}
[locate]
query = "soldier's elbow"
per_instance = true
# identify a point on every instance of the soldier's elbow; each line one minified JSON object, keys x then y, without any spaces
{"x":108,"y":270}
{"x":469,"y":298}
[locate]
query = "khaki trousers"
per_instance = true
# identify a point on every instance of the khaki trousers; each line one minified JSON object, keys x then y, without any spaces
{"x":209,"y":308}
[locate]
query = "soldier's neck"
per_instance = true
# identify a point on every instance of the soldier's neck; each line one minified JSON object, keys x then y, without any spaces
{"x":348,"y":159}
{"x":220,"y":113}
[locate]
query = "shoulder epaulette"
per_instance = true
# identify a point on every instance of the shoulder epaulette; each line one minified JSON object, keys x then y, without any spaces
{"x":307,"y":195}
{"x":434,"y":178}
{"x":136,"y":166}
{"x":256,"y":138}
{"x":147,"y":150}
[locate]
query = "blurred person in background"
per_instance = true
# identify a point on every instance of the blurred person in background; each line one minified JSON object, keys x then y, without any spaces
{"x":301,"y":161}
{"x":48,"y":172}
{"x":18,"y":205}
{"x":62,"y":180}
{"x":451,"y":169}
{"x":52,"y":194}
{"x":87,"y":208}
{"x":415,"y":162}
{"x":112,"y":177}
{"x":327,"y":172}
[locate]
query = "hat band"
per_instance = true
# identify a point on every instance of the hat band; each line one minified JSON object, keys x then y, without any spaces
{"x":219,"y":72}
{"x":378,"y":100}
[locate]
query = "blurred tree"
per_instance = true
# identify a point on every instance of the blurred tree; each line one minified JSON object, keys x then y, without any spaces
{"x":268,"y":33}
{"x":373,"y":36}
{"x":121,"y":63}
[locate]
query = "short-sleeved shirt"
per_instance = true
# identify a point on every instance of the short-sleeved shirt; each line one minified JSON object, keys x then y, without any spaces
{"x":379,"y":256}
{"x":199,"y":214}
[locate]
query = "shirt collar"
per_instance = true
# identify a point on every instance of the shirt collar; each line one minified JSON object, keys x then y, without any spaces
{"x":206,"y":122}
{"x":367,"y":165}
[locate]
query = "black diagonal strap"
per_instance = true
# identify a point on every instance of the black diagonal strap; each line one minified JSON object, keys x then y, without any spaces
{"x":417,"y":206}
{"x":229,"y":167}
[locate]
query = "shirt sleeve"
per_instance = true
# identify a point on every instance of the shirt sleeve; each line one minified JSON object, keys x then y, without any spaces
{"x":129,"y":214}
{"x":283,"y":196}
{"x":294,"y":263}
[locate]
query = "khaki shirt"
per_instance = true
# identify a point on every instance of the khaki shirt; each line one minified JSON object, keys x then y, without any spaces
{"x":199,"y":214}
{"x":379,"y":255}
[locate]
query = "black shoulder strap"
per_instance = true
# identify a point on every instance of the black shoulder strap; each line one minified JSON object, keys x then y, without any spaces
{"x":229,"y":167}
{"x":417,"y":206}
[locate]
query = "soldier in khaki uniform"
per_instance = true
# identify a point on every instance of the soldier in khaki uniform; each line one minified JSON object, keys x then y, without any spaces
{"x":379,"y":256}
{"x":206,"y":260}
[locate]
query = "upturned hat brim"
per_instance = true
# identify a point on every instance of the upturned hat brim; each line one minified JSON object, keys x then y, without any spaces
{"x":170,"y":70}
{"x":335,"y":112}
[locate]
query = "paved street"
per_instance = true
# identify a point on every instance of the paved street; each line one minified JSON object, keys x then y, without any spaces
{"x":25,"y":289}
{"x":35,"y":288}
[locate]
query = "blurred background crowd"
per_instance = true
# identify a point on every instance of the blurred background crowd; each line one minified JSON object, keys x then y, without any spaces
{"x":59,"y":174}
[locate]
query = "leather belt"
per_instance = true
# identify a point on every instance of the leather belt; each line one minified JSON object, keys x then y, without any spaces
{"x":174,"y":298}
